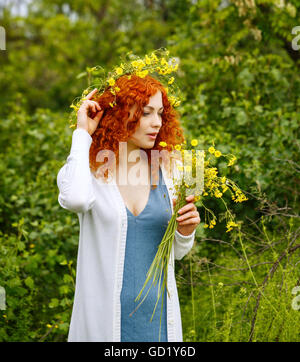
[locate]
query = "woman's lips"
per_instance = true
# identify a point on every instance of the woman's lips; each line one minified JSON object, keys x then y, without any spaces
{"x":153,"y":137}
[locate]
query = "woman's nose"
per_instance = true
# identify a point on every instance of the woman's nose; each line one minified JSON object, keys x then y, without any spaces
{"x":156,"y":120}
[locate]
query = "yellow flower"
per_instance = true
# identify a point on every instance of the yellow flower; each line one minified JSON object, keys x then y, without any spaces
{"x":129,"y":77}
{"x":49,"y":325}
{"x":75,"y":107}
{"x":205,"y":225}
{"x":172,"y":100}
{"x":147,"y":60}
{"x":211,"y":150}
{"x":111,"y":81}
{"x":119,"y":71}
{"x":117,"y":89}
{"x":218,"y":194}
{"x":153,"y":57}
{"x":111,"y":104}
{"x":231,"y":161}
{"x":171,"y":80}
{"x":194,"y":142}
{"x":135,"y":63}
{"x":177,"y":147}
{"x":138,"y":63}
{"x":230,"y":225}
{"x":163,"y":144}
{"x":218,"y":153}
{"x":224,"y":187}
{"x":142,"y":74}
{"x":31,"y":246}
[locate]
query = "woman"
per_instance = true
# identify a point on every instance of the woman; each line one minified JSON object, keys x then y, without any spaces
{"x":122,"y":223}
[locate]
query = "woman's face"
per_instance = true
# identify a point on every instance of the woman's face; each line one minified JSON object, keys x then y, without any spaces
{"x":150,"y":123}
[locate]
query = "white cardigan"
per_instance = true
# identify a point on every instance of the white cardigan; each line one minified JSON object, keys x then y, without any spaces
{"x":96,"y":314}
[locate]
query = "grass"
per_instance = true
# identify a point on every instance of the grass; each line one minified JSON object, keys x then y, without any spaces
{"x":246,"y":293}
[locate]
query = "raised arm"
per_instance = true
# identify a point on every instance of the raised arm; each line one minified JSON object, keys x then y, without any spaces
{"x":74,"y":179}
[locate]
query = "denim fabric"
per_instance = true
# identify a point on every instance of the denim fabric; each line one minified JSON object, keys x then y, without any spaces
{"x":144,"y":234}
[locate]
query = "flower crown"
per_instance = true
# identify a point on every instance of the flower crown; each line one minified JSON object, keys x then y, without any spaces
{"x":155,"y":64}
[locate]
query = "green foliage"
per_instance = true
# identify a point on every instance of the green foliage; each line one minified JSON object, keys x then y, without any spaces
{"x":240,"y":83}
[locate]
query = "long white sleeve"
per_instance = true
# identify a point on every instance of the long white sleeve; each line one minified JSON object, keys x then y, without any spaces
{"x":183,"y":244}
{"x":74,"y":179}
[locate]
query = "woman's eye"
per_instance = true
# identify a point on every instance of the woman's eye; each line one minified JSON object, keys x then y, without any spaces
{"x":145,"y":114}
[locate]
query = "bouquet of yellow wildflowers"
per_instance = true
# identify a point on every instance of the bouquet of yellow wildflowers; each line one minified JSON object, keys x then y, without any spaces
{"x":208,"y":184}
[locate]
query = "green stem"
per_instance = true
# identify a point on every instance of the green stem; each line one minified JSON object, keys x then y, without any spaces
{"x":250,"y":269}
{"x":193,"y":302}
{"x":212,"y":297}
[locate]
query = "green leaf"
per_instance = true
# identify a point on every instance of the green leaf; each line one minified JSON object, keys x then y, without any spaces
{"x":29,"y":282}
{"x":54,"y":303}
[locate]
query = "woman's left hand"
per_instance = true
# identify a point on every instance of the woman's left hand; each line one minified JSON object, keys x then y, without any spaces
{"x":188,"y":218}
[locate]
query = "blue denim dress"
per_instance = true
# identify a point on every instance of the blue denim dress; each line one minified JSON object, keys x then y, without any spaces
{"x":144,"y":234}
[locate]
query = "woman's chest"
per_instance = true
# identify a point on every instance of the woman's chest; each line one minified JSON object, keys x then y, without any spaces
{"x":135,"y":197}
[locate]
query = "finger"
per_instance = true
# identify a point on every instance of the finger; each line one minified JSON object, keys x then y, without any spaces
{"x":192,"y":221}
{"x":98,"y":116}
{"x":188,"y":207}
{"x":90,"y":105}
{"x":90,"y":95}
{"x":97,"y":105}
{"x":190,"y":198}
{"x":85,"y":105}
{"x":187,"y":215}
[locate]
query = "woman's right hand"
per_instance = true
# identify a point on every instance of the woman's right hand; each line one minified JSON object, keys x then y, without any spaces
{"x":83,"y":119}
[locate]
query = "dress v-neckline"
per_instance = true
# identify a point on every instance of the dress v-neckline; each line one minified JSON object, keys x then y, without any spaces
{"x":149,"y":195}
{"x":136,"y":216}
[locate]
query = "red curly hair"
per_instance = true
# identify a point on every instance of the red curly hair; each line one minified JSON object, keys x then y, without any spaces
{"x":112,"y":127}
